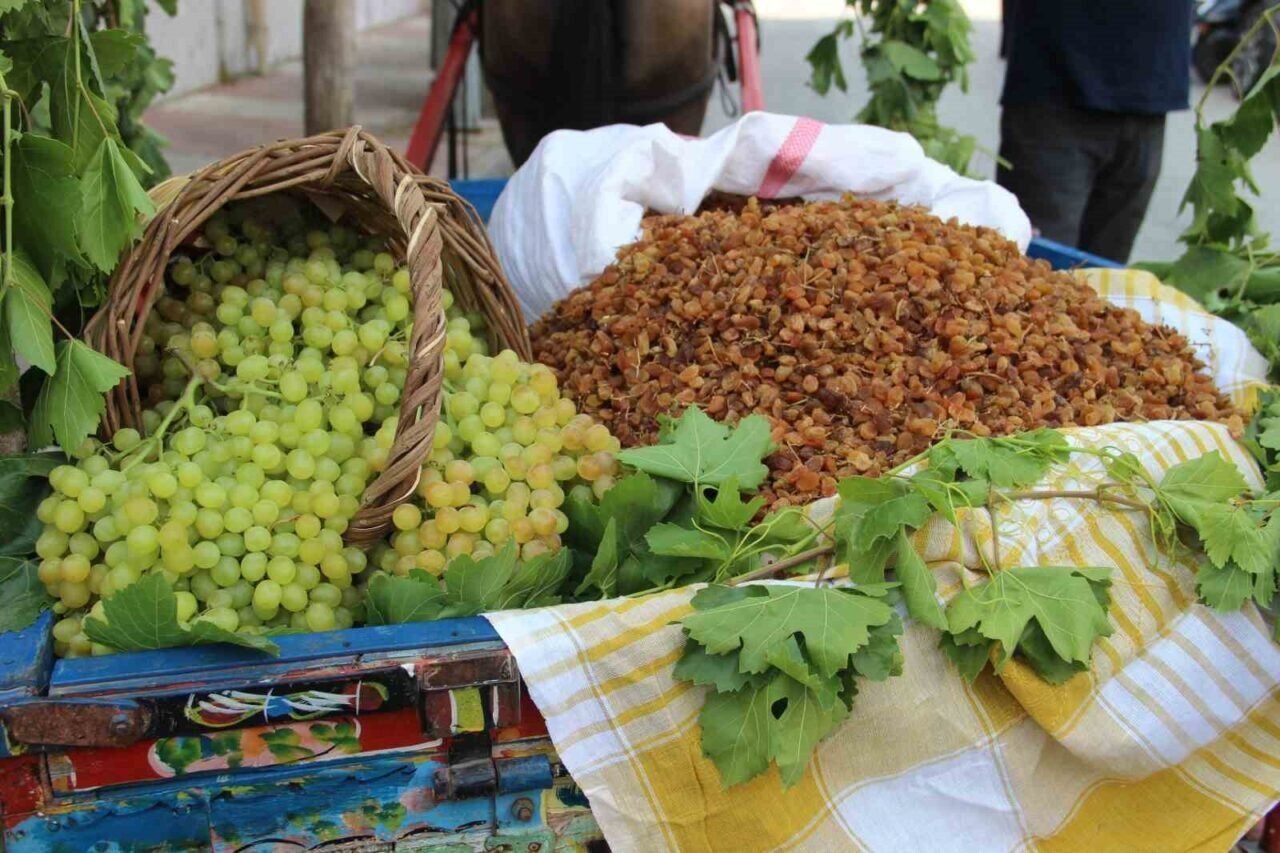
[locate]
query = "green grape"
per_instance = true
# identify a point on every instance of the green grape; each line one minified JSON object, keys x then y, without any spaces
{"x":178,"y":559}
{"x":282,"y":570}
{"x":126,"y":439}
{"x":253,"y":566}
{"x":68,"y":517}
{"x":300,"y":464}
{"x":406,"y":517}
{"x":231,"y":544}
{"x":293,"y":598}
{"x":308,"y":576}
{"x":267,"y":595}
{"x":206,"y":554}
{"x":257,"y":538}
{"x":142,"y":541}
{"x":237,"y":520}
{"x":293,"y":386}
{"x":210,"y":495}
{"x":209,"y":523}
{"x":172,"y":534}
{"x":320,"y":617}
{"x":226,"y":571}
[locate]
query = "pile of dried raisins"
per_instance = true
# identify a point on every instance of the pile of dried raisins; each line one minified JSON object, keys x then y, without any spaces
{"x":864,"y":330}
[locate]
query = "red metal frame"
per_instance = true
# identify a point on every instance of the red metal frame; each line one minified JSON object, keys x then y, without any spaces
{"x":744,"y":17}
{"x":430,"y":125}
{"x":429,"y":128}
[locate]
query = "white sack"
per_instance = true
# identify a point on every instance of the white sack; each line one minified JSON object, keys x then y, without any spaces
{"x":565,"y":213}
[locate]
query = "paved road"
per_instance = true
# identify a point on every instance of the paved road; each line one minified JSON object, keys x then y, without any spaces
{"x":789,"y":27}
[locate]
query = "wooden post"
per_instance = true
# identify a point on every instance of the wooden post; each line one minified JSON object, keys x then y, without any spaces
{"x":329,"y":61}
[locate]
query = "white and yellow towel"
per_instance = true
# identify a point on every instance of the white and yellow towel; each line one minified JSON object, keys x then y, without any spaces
{"x":1170,"y":743}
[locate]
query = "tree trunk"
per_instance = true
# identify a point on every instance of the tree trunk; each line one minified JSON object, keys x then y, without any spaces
{"x":329,"y":60}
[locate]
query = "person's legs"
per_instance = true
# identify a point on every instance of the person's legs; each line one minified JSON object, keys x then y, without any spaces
{"x":1052,"y":155}
{"x":1123,"y":188}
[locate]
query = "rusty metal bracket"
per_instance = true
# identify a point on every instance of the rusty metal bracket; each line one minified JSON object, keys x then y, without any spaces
{"x":77,"y":722}
{"x":467,"y":669}
{"x":469,"y":692}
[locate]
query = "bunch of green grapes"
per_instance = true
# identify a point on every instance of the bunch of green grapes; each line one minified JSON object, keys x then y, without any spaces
{"x":507,"y":448}
{"x":274,"y":368}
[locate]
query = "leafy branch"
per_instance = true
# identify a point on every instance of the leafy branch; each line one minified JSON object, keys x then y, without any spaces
{"x":776,"y":706}
{"x":911,"y":53}
{"x":73,"y":197}
{"x":1229,"y":264}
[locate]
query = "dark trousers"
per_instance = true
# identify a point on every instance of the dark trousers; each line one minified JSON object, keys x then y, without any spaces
{"x":1084,"y":177}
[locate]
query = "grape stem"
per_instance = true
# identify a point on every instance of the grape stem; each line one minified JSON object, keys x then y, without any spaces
{"x":1100,"y":494}
{"x":184,"y":404}
{"x":244,"y":390}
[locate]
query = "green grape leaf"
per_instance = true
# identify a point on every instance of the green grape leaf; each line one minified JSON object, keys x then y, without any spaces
{"x":1254,"y":120}
{"x":1203,"y":271}
{"x":643,"y":570}
{"x":919,"y":588}
{"x":1212,"y":187}
{"x":635,"y":503}
{"x":672,"y":540}
{"x":947,"y":495}
{"x":115,"y":49}
{"x":47,"y":192}
{"x":1264,"y":586}
{"x":874,"y":509}
{"x":721,"y":672}
{"x":833,"y":622}
{"x":787,"y":525}
{"x":22,"y":596}
{"x":27,"y":315}
{"x":727,"y":510}
{"x":70,"y":403}
{"x":112,"y":198}
{"x":473,"y":586}
{"x":144,"y":615}
{"x":1206,"y":478}
{"x":24,"y":482}
{"x":826,"y":69}
{"x":736,"y":732}
{"x":967,"y":650}
{"x":1225,"y":587}
{"x":1231,"y":533}
{"x":536,"y":582}
{"x":881,"y":657}
{"x":808,"y":714}
{"x":1034,"y":647}
{"x":701,"y":451}
{"x":1124,"y":466}
{"x":910,"y":60}
{"x":603,"y":575}
{"x":9,"y":373}
{"x":392,"y":600}
{"x":1010,"y":462}
{"x":78,"y":116}
{"x":1060,"y":599}
{"x":787,"y":657}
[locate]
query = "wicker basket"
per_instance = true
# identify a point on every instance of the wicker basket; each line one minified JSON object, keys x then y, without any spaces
{"x":438,"y":234}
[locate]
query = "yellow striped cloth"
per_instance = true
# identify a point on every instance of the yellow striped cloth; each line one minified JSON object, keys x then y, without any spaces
{"x":1170,"y":743}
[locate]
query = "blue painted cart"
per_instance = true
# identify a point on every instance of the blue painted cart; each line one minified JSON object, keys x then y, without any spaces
{"x":415,"y":737}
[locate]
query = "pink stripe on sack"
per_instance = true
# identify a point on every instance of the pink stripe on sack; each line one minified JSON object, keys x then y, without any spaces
{"x":795,"y":148}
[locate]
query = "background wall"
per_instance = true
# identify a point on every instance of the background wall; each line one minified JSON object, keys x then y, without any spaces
{"x":211,"y":41}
